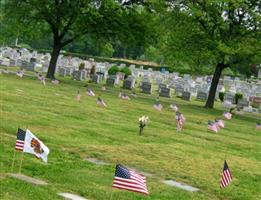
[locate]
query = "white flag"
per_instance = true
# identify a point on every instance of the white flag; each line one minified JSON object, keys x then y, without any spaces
{"x":35,"y":146}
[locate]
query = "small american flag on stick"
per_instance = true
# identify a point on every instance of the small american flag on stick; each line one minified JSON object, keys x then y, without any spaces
{"x":20,"y":73}
{"x":100,"y":102}
{"x":124,"y":96}
{"x":19,"y":145}
{"x":220,"y":123}
{"x":127,"y":179}
{"x":157,"y":106}
{"x":90,"y":93}
{"x":212,"y":126}
{"x":258,"y":125}
{"x":227,"y":115}
{"x":226,"y":176}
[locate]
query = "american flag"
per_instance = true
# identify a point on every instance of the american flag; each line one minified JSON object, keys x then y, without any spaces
{"x":212,"y":126}
{"x":220,"y":123}
{"x":127,"y":179}
{"x":157,"y":106}
{"x":258,"y":125}
{"x":90,"y":93}
{"x":180,"y":118}
{"x":124,"y":96}
{"x":227,"y":115}
{"x":42,"y":79}
{"x":19,"y":145}
{"x":226,"y":176}
{"x":100,"y":102}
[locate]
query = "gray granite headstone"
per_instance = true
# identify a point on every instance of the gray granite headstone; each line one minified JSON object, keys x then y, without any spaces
{"x":229,"y":97}
{"x":62,"y":72}
{"x":146,"y":87}
{"x":186,"y":96}
{"x":164,"y":92}
{"x":202,"y":95}
{"x":179,"y":90}
{"x":79,"y":75}
{"x":96,"y":78}
{"x":129,"y":83}
{"x":111,"y":80}
{"x":242,"y":103}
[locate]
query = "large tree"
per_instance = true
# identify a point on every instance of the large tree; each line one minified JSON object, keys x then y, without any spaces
{"x":219,"y":33}
{"x":70,"y":20}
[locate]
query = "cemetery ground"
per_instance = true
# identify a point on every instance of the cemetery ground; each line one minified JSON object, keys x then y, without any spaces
{"x":75,"y":131}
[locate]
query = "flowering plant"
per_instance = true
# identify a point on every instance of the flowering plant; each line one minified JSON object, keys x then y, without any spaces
{"x":143,"y":122}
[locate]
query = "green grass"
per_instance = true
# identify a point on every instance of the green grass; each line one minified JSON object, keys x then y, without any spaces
{"x":74,"y":131}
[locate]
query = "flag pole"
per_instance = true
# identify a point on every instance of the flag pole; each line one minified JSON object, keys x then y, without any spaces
{"x":111,"y":194}
{"x":21,"y":162}
{"x":12,"y":167}
{"x":22,"y":158}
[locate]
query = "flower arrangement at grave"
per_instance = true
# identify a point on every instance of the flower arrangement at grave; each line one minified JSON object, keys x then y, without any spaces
{"x":143,"y":122}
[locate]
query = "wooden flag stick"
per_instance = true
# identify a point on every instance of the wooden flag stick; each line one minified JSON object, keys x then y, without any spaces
{"x":21,"y":162}
{"x":12,"y":167}
{"x":111,"y":194}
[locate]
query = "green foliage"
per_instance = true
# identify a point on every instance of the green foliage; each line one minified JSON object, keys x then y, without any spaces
{"x":238,"y":96}
{"x":113,"y":70}
{"x":221,"y":96}
{"x":126,"y":71}
{"x":93,"y":70}
{"x":107,"y":50}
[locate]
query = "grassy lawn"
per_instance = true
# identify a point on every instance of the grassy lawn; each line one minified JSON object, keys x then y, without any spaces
{"x":74,"y":131}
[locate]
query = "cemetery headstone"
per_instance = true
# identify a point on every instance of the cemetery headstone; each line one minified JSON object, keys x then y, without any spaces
{"x":111,"y":80}
{"x":242,"y":103}
{"x":230,"y":97}
{"x":179,"y":90}
{"x":164,"y":92}
{"x":96,"y":78}
{"x":186,"y":96}
{"x":79,"y":75}
{"x":129,"y":83}
{"x":146,"y":87}
{"x":202,"y":96}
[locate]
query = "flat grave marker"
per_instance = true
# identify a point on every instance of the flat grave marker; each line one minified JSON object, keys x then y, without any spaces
{"x":70,"y":196}
{"x":181,"y":185}
{"x":96,"y":161}
{"x":28,"y":179}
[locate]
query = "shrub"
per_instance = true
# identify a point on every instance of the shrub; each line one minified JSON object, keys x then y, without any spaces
{"x":113,"y":70}
{"x":221,"y":96}
{"x":238,"y":96}
{"x":93,"y":70}
{"x":81,"y":66}
{"x":126,"y":71}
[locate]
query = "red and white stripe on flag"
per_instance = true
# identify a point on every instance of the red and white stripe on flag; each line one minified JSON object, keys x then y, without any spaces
{"x":129,"y":180}
{"x":226,"y":176}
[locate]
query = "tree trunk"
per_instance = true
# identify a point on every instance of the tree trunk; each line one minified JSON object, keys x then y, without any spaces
{"x":214,"y":84}
{"x":53,"y":61}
